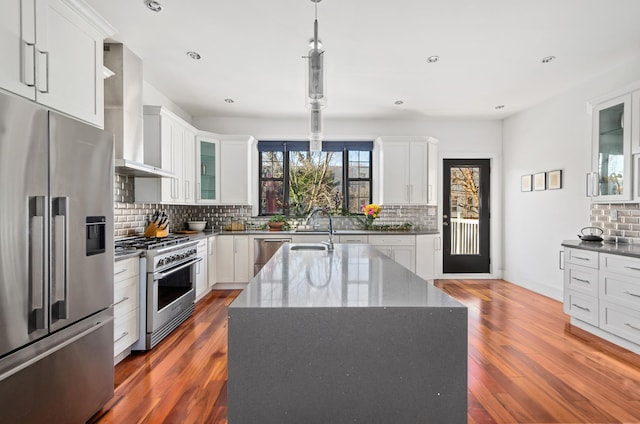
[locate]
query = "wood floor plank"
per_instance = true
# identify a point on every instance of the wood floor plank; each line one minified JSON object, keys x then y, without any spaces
{"x":526,"y":364}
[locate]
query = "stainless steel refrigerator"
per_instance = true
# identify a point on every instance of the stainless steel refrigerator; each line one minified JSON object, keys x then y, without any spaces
{"x":56,"y":265}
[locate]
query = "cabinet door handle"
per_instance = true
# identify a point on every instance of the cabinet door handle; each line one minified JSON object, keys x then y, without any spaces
{"x":633,"y":327}
{"x":124,"y":299}
{"x":581,"y":307}
{"x":579,"y":257}
{"x":46,"y":71}
{"x":125,"y":334}
{"x":632,"y":268}
{"x":23,"y":73}
{"x":120,"y":271}
{"x":631,"y":293}
{"x":593,"y":189}
{"x":581,"y":280}
{"x":561,"y":259}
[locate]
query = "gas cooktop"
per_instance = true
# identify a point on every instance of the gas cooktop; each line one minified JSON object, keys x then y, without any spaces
{"x":149,"y":243}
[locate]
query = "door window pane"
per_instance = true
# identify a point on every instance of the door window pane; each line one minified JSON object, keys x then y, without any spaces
{"x":464,"y":222}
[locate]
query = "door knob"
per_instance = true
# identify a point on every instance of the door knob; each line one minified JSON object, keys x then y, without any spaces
{"x":445,"y":223}
{"x":445,"y":216}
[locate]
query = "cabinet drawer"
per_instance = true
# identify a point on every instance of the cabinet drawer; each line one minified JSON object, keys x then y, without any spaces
{"x":620,"y":264}
{"x":582,"y":307}
{"x":620,"y":289}
{"x":581,"y":279}
{"x":126,"y":268}
{"x":621,"y":321}
{"x":353,"y":239}
{"x":125,"y":332}
{"x":581,"y":257}
{"x":125,"y":296}
{"x":392,"y":240}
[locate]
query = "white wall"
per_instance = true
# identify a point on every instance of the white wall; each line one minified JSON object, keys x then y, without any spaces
{"x":151,"y":96}
{"x":552,"y":135}
{"x":480,"y":139}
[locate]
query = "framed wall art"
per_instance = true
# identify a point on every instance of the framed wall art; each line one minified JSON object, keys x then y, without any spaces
{"x":525,"y":183}
{"x":540,"y":181}
{"x":554,"y":180}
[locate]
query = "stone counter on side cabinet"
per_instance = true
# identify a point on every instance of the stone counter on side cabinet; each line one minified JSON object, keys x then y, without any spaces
{"x":345,"y":336}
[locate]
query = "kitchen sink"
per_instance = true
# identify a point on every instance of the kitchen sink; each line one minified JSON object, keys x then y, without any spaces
{"x":308,"y":246}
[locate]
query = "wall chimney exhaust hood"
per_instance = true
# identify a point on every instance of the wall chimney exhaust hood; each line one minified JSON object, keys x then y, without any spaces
{"x":123,"y":112}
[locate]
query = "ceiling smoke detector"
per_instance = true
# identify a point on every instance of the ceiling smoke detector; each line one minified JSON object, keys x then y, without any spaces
{"x":433,"y":59}
{"x":194,"y":55}
{"x":548,"y":59}
{"x":153,"y":5}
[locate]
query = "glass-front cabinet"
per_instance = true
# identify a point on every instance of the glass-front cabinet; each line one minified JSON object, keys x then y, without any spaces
{"x":208,"y":161}
{"x":610,"y":179}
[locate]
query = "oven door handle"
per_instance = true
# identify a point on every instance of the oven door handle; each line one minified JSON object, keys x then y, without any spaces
{"x":161,"y":275}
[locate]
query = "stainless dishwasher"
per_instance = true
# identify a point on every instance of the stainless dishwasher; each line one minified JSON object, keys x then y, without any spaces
{"x":263,"y":250}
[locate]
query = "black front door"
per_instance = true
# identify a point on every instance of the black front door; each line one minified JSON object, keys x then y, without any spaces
{"x":465,"y":216}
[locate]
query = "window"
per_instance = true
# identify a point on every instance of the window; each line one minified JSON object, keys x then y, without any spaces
{"x":294,"y":180}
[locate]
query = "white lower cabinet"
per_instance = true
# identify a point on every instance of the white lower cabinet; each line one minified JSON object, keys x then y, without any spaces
{"x":603,"y":291}
{"x":400,"y":248}
{"x":211,"y":261}
{"x":426,"y":247}
{"x":202,"y":286}
{"x":126,"y":307}
{"x":232,"y":259}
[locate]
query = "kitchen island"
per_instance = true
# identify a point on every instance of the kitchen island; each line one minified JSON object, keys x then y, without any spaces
{"x":345,"y":336}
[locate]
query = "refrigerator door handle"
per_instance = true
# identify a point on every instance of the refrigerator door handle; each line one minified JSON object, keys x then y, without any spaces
{"x":59,"y":286}
{"x":37,"y":264}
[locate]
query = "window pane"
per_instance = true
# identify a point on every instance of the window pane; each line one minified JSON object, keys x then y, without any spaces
{"x":358,"y":164}
{"x":272,"y":164}
{"x":359,"y":194}
{"x":315,"y":179}
{"x":465,"y":189}
{"x":272,"y":197}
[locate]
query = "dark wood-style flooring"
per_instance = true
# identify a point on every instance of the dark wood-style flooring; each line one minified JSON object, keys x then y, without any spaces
{"x":527,"y":364}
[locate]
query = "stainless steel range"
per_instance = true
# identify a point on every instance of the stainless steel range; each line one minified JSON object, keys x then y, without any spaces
{"x":167,"y":294}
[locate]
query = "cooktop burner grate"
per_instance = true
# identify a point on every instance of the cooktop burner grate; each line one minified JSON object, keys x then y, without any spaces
{"x":149,"y":243}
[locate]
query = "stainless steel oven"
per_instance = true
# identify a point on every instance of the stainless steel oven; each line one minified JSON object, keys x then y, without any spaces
{"x":167,"y":295}
{"x":170,"y":293}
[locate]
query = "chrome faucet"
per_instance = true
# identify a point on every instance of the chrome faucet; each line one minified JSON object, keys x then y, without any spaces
{"x":326,"y":211}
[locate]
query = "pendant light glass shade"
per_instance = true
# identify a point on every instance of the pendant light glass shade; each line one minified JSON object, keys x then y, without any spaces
{"x":316,"y":95}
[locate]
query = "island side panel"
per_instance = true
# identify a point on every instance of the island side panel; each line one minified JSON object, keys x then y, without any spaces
{"x":339,"y":365}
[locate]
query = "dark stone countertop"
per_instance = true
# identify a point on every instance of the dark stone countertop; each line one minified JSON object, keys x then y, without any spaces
{"x":623,"y":249}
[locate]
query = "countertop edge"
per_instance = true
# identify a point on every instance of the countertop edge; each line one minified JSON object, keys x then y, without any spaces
{"x":622,"y":249}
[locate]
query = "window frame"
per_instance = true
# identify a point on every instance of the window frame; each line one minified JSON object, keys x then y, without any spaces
{"x":366,"y":146}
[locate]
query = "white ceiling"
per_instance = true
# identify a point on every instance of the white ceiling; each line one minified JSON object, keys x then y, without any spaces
{"x":490,"y":53}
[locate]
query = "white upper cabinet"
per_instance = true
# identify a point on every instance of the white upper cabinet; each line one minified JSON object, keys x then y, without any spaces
{"x":207,"y":169}
{"x":235,"y":170}
{"x":52,"y":54}
{"x":611,"y":177}
{"x":408,"y":174}
{"x":169,"y":145}
{"x":189,"y":162}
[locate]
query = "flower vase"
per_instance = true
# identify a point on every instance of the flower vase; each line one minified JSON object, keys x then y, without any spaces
{"x":369,"y":222}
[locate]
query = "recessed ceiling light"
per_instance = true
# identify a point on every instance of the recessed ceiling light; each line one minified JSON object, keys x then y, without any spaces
{"x":548,"y":59}
{"x":433,"y":59}
{"x":229,"y":101}
{"x":153,"y":5}
{"x":194,"y":55}
{"x":500,"y":107}
{"x":398,"y":102}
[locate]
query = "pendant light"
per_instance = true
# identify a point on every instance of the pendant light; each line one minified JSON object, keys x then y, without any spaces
{"x":316,"y":96}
